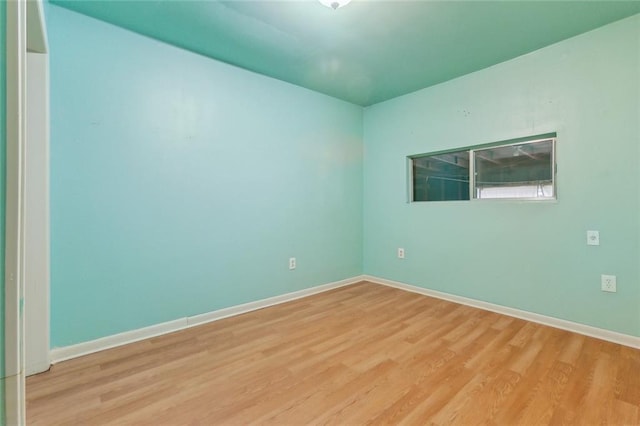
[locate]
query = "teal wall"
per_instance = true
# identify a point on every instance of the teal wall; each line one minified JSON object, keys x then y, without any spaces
{"x":181,"y":185}
{"x":527,"y":255}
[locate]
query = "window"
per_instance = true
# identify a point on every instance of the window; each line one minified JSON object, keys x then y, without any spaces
{"x":518,"y":169}
{"x":441,"y":177}
{"x":523,"y":170}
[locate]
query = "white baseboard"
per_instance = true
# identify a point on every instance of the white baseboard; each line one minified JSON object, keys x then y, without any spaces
{"x":276,"y":300}
{"x":587,"y":330}
{"x":92,"y":346}
{"x":85,"y":348}
{"x":39,"y":367}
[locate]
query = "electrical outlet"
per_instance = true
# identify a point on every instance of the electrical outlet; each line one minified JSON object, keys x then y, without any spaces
{"x":292,"y":263}
{"x":608,"y":283}
{"x":400,"y":253}
{"x":593,"y":238}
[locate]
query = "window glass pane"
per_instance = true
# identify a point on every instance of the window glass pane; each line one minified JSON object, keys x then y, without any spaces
{"x":441,"y":177}
{"x":515,"y":171}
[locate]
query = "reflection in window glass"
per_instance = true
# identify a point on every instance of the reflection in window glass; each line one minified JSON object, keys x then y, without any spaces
{"x":441,"y":177}
{"x":515,"y":171}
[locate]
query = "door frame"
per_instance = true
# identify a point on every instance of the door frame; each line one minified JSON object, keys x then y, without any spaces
{"x":16,"y":50}
{"x":36,"y":218}
{"x":25,"y":31}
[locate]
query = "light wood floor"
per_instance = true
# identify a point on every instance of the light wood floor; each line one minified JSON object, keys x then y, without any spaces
{"x":363,"y":354}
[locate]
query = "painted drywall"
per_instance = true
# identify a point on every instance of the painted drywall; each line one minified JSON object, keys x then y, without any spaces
{"x":527,"y":255}
{"x":181,"y":185}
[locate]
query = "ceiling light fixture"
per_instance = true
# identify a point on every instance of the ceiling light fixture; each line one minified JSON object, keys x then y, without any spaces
{"x":334,"y":4}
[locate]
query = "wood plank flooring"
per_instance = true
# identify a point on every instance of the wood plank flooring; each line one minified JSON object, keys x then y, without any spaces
{"x":362,"y":354}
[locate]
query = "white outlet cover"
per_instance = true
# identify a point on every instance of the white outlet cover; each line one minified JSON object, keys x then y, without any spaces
{"x":608,"y":283}
{"x":593,"y":238}
{"x":400,"y":253}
